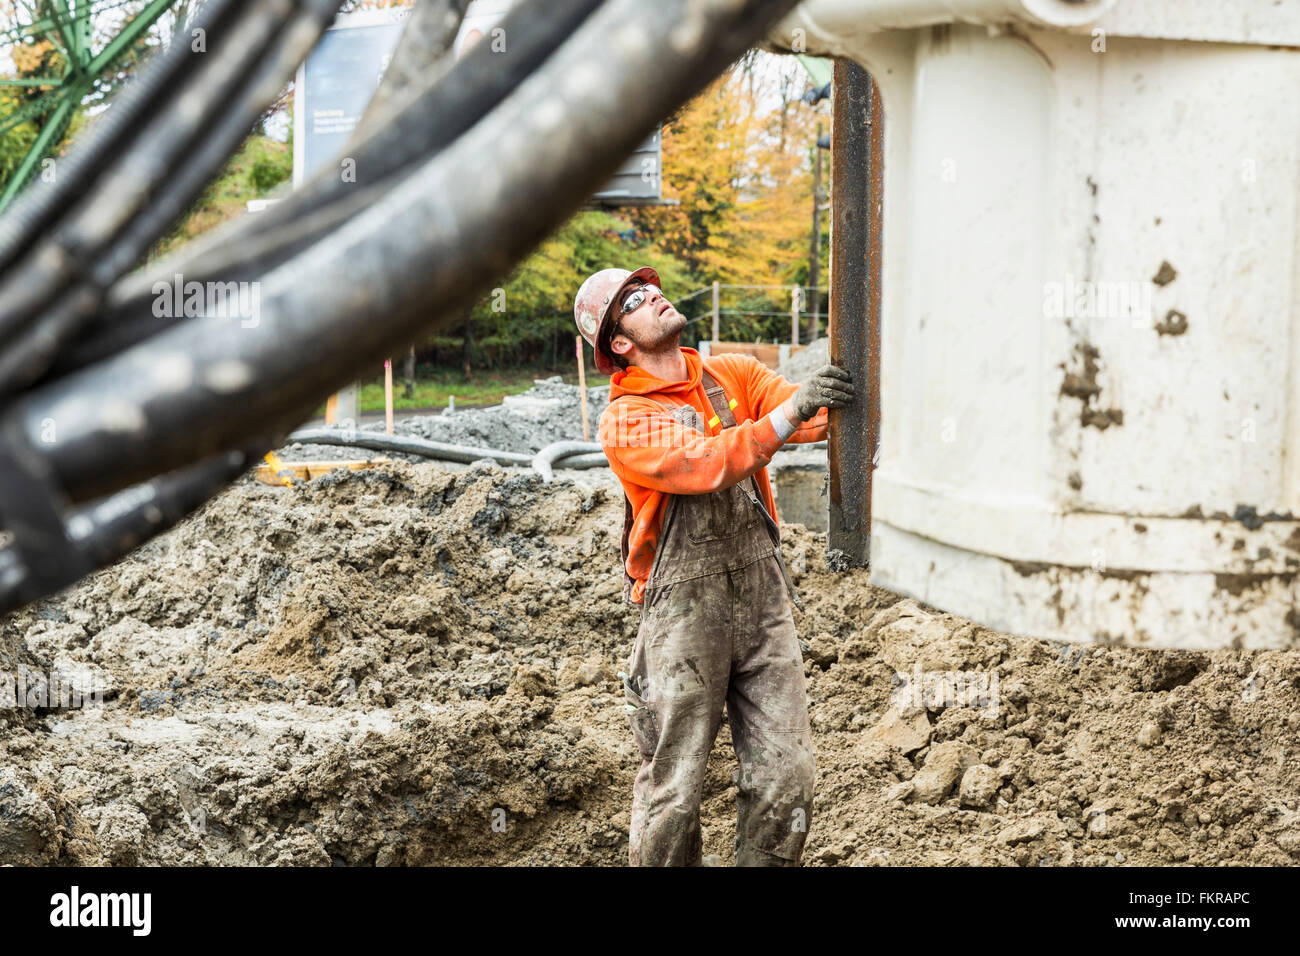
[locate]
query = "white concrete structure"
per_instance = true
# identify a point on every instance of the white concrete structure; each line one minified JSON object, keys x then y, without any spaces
{"x":1091,"y":311}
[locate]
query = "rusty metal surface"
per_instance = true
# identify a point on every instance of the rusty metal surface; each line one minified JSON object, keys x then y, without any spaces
{"x":856,"y":160}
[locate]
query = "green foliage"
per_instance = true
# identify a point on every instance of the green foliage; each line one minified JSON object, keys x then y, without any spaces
{"x":254,"y":172}
{"x":433,"y":386}
{"x":15,"y":143}
{"x":529,"y":318}
{"x":267,"y":173}
{"x":31,"y":58}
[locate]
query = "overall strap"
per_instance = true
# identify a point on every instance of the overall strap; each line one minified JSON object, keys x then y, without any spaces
{"x":718,"y":399}
{"x":722,"y":412}
{"x":624,"y":548}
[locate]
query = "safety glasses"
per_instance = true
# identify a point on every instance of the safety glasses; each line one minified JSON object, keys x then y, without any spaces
{"x":639,"y":295}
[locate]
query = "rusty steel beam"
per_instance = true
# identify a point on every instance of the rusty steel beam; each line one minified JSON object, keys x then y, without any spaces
{"x":857,"y":153}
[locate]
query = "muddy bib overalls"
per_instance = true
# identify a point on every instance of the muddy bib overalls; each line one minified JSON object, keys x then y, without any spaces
{"x":716,"y":626}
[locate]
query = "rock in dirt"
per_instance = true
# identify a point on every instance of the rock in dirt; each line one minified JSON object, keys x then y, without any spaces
{"x":575,"y":673}
{"x":121,"y":834}
{"x":1172,"y":844}
{"x":835,"y":853}
{"x":533,"y":682}
{"x":912,"y":637}
{"x":1149,"y":734}
{"x":1023,"y":831}
{"x":943,"y":768}
{"x":900,"y":791}
{"x":28,"y":826}
{"x":905,"y":730}
{"x":979,"y":784}
{"x":1288,"y":838}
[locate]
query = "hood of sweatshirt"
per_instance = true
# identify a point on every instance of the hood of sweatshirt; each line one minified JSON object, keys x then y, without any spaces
{"x":635,"y":380}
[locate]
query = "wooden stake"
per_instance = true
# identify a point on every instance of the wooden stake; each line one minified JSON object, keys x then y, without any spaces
{"x":388,"y":395}
{"x":716,"y":311}
{"x":582,"y":389}
{"x":794,"y":315}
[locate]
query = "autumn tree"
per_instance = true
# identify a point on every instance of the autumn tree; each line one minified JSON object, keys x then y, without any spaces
{"x":738,"y":158}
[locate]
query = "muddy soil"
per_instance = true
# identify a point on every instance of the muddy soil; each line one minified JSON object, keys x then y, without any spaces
{"x":420,"y":666}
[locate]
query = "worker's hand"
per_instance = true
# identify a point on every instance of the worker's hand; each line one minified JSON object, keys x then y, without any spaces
{"x":829,"y":387}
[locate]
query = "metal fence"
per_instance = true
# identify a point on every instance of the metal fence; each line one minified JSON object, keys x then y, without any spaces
{"x":756,"y":313}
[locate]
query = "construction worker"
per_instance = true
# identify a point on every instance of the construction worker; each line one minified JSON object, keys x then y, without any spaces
{"x":690,"y":438}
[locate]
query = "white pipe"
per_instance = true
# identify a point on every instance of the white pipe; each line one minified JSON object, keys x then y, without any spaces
{"x":406,"y":444}
{"x":822,"y":19}
{"x":547,"y":458}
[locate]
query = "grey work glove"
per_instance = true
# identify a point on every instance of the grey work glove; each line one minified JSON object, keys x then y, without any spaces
{"x":829,"y":387}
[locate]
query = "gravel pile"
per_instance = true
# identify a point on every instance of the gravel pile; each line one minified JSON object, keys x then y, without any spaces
{"x":802,"y":364}
{"x":550,"y":411}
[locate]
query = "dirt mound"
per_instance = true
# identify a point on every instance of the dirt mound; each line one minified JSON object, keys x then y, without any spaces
{"x":420,"y":666}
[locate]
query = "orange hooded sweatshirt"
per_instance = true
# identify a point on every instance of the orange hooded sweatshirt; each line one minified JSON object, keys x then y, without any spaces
{"x":654,"y":457}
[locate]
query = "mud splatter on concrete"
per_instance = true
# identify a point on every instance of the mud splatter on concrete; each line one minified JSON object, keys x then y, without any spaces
{"x":1102,"y":418}
{"x":1174,"y":323}
{"x":1081,"y":382}
{"x":1165,"y":274}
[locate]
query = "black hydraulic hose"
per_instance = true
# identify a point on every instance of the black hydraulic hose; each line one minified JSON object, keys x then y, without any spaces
{"x":422,"y":55}
{"x":118,"y":326}
{"x":22,"y":361}
{"x":69,"y":248}
{"x":477,"y":89}
{"x":168,"y":162}
{"x":30,"y":353}
{"x":339,"y":307}
{"x":123,"y":521}
{"x":109,"y":529}
{"x":449,"y":106}
{"x":220,"y":137}
{"x":42,"y":202}
{"x":556,"y":455}
{"x":425,"y":125}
